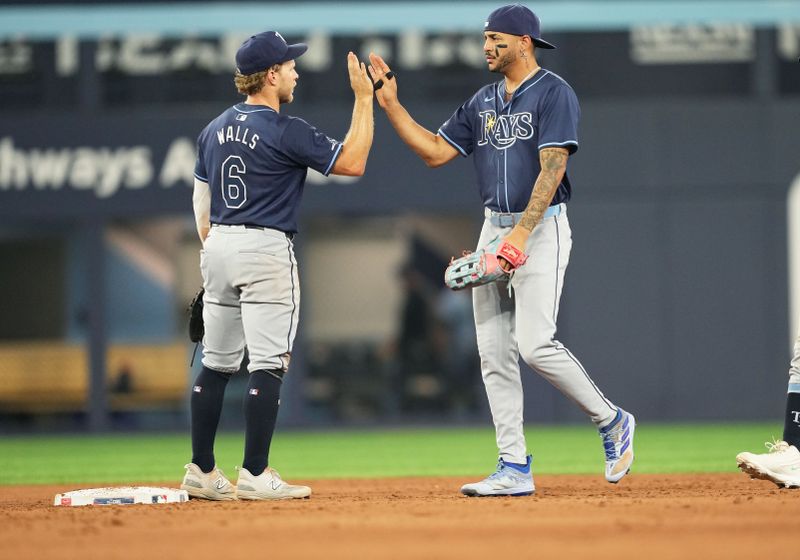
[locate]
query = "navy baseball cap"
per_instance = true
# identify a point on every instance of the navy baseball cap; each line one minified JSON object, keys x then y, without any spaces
{"x":516,"y":19}
{"x":264,"y":50}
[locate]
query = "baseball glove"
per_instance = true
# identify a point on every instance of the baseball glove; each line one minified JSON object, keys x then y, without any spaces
{"x":196,"y":327}
{"x":483,"y":266}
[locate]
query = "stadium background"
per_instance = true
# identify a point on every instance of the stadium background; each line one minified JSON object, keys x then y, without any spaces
{"x":678,"y":292}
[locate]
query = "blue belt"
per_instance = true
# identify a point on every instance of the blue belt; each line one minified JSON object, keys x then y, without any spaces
{"x":509,"y":219}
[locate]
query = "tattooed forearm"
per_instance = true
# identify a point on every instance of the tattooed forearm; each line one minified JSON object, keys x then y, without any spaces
{"x":554,"y":163}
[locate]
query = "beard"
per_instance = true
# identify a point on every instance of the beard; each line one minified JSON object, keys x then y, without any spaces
{"x":501,"y":62}
{"x":285,"y":97}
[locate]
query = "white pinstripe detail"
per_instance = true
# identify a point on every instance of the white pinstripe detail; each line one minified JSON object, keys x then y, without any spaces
{"x":539,"y":79}
{"x":333,"y":159}
{"x":568,"y":142}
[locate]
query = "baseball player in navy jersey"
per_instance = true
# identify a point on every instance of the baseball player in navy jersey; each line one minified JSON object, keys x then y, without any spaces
{"x":781,"y":464}
{"x":520,"y":131}
{"x":249,"y":177}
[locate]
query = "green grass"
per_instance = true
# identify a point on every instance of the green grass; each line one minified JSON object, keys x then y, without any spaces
{"x":373,"y":454}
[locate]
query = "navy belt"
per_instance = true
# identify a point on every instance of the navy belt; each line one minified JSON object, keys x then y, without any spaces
{"x":255,"y":226}
{"x":509,"y":219}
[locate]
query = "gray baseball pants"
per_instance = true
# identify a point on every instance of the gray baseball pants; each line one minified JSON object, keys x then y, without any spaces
{"x":524,"y":324}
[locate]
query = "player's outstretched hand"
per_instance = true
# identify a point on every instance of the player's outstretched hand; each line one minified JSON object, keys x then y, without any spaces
{"x":383,"y":75}
{"x":359,"y":79}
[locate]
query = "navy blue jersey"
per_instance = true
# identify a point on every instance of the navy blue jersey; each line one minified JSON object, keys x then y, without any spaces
{"x":255,"y":161}
{"x":505,"y":138}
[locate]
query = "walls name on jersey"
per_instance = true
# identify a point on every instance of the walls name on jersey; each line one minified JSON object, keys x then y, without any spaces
{"x":233,"y":133}
{"x":504,"y":130}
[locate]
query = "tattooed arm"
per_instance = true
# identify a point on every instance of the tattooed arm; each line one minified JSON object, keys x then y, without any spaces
{"x":553,"y":162}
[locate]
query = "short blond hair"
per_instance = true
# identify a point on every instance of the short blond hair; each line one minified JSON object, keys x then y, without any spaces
{"x":250,"y":84}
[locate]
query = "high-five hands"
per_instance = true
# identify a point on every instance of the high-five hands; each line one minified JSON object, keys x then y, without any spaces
{"x":359,"y":79}
{"x":384,"y":78}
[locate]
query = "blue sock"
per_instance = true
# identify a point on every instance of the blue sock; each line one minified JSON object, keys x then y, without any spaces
{"x":614,"y":421}
{"x":523,"y":468}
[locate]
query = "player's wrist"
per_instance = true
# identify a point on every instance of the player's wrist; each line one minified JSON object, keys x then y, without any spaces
{"x":390,"y":105}
{"x":520,"y":232}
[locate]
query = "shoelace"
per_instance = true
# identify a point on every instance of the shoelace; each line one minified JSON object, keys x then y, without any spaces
{"x":776,"y":446}
{"x":498,"y":472}
{"x":611,"y":438}
{"x":505,"y":470}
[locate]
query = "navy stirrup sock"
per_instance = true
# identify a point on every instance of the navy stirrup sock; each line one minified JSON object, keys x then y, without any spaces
{"x":208,"y":392}
{"x":260,"y":413}
{"x":791,"y":426}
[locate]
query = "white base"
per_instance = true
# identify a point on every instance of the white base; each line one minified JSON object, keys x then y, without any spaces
{"x":122,"y":495}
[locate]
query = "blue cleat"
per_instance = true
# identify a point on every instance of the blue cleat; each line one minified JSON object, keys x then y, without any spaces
{"x":507,"y":480}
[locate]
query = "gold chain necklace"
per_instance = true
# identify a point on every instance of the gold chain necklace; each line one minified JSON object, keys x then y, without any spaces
{"x":523,"y":81}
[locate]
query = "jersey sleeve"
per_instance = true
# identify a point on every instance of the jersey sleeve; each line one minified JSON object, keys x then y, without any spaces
{"x":458,"y":129}
{"x":200,"y":171}
{"x":558,"y":119}
{"x":309,"y":147}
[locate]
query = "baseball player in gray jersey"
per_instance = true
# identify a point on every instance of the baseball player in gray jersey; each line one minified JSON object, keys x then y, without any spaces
{"x":520,"y":132}
{"x":781,"y":464}
{"x":249,"y":177}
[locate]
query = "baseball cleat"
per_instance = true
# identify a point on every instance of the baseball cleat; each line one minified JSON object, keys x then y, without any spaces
{"x":780,"y":464}
{"x":207,"y":486}
{"x":618,"y":445}
{"x":267,"y":486}
{"x":507,"y":480}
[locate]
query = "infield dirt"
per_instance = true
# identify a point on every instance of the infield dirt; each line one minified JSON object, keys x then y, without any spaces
{"x":646,"y":517}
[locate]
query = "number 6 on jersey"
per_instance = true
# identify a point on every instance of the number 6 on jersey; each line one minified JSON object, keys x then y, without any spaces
{"x":234,"y":191}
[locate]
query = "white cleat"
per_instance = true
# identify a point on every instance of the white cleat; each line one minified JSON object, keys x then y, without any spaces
{"x":505,"y":481}
{"x":780,"y":464}
{"x":207,"y":486}
{"x":267,"y":486}
{"x":618,"y":445}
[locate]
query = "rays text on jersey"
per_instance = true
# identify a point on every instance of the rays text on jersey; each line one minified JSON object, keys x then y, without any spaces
{"x":502,"y":131}
{"x":236,"y":134}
